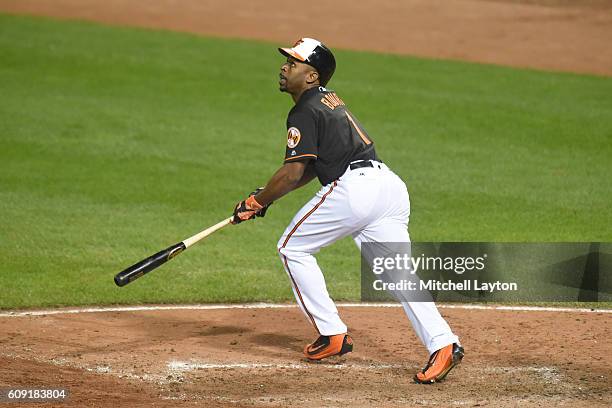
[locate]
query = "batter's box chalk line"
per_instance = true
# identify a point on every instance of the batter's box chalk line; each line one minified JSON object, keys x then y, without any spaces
{"x":182,"y":366}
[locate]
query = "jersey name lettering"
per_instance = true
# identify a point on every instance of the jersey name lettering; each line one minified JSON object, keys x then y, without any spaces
{"x":332,"y":101}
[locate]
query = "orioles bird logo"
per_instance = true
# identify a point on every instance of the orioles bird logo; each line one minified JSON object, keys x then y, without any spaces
{"x":293,"y":137}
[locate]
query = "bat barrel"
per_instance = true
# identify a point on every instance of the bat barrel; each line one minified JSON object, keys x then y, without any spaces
{"x":147,"y":265}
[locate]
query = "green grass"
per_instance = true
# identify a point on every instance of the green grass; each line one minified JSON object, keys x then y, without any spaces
{"x":117,"y":142}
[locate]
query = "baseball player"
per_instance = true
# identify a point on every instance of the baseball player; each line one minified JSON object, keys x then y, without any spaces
{"x":360,"y":197}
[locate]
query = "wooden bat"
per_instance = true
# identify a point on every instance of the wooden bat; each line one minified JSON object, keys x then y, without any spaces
{"x":147,"y":265}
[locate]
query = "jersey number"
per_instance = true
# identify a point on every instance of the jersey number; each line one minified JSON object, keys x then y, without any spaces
{"x":361,"y":134}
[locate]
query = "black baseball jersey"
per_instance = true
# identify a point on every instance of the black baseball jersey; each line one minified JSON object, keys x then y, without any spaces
{"x":321,"y":128}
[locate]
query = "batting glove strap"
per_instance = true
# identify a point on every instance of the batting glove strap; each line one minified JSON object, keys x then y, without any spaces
{"x":262,"y":211}
{"x":252,"y":204}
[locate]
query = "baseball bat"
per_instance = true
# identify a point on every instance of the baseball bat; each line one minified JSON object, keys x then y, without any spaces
{"x":147,"y":265}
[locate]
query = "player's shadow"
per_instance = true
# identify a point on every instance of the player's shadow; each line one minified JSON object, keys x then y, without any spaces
{"x":220,"y":330}
{"x":271,"y":343}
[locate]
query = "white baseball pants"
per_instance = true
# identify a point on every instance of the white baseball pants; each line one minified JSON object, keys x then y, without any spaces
{"x":372,"y":205}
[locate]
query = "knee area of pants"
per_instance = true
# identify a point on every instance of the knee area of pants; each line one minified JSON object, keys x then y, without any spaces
{"x":283,"y":251}
{"x":285,"y":248}
{"x":290,"y":253}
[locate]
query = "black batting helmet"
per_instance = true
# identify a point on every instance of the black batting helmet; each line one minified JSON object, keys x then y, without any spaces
{"x":315,"y":54}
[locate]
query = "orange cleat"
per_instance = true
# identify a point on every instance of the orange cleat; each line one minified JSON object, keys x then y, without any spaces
{"x":439,"y":365}
{"x":327,"y":346}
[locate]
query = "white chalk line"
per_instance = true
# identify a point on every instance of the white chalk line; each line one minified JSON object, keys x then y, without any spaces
{"x":181,"y":366}
{"x":106,"y":309}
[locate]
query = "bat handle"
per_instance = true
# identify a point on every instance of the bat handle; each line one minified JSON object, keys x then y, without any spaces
{"x":201,"y":235}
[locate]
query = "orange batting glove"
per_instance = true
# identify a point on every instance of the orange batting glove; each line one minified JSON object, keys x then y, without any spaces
{"x":249,"y":209}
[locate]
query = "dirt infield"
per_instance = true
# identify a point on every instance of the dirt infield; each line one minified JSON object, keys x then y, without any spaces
{"x":252,"y":357}
{"x":563,"y":35}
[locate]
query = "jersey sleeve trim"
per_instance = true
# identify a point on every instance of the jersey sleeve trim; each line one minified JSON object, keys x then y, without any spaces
{"x":301,"y":156}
